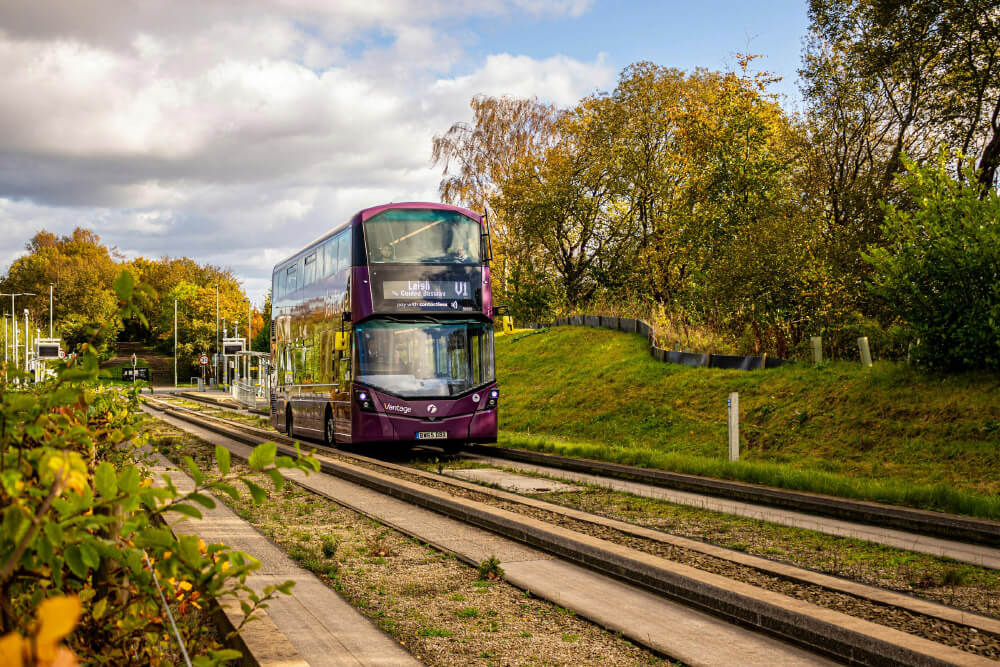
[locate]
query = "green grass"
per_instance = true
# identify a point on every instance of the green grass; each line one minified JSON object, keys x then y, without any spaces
{"x":890,"y":433}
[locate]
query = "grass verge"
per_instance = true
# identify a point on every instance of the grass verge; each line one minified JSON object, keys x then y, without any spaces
{"x":889,"y":434}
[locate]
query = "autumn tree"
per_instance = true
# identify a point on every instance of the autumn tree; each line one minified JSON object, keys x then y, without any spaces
{"x":82,"y":270}
{"x":478,"y":157}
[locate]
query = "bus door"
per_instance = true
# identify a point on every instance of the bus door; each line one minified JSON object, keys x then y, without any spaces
{"x":342,"y":378}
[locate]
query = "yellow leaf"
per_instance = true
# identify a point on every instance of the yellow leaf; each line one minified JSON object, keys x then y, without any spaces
{"x":57,"y":617}
{"x":97,"y":611}
{"x":11,"y":648}
{"x":65,"y":658}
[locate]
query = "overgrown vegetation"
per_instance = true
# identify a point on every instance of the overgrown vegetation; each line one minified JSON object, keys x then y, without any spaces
{"x":694,"y":199}
{"x":890,"y":433}
{"x":85,"y":533}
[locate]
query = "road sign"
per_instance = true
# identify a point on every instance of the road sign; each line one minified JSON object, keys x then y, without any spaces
{"x":134,"y":374}
{"x":203,"y":360}
{"x":62,"y":354}
{"x":133,"y":360}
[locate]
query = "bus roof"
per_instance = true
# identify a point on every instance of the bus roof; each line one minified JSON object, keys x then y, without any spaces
{"x":366,"y":213}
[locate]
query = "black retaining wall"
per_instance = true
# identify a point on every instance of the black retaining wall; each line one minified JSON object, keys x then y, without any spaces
{"x":633,"y":325}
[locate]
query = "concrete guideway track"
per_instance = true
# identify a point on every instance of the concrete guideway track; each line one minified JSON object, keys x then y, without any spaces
{"x":850,"y":638}
{"x":694,"y":637}
{"x":910,"y":520}
{"x":975,"y":554}
{"x":782,"y":570}
{"x":314,"y":626}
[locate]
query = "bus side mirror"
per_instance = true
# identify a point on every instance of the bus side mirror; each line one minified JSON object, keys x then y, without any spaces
{"x":340,"y":341}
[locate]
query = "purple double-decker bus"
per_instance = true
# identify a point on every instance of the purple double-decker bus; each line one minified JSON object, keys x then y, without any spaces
{"x":382,"y":330}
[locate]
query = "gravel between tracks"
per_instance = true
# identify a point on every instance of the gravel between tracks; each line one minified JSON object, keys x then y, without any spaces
{"x":951,"y":634}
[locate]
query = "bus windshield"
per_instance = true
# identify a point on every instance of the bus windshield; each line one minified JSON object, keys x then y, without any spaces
{"x":424,"y":359}
{"x":422,"y":236}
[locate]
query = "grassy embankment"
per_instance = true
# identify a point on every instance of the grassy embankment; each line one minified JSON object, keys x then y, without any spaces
{"x":890,"y":433}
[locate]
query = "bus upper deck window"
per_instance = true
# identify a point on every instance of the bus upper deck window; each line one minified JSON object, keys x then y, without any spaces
{"x":309,"y":270}
{"x":423,"y":236}
{"x":330,"y":250}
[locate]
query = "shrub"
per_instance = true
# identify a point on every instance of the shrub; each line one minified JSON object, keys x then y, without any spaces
{"x":490,"y":570}
{"x":940,"y":267}
{"x":84,"y":523}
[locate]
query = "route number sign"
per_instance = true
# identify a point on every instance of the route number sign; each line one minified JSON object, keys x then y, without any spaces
{"x":203,"y":360}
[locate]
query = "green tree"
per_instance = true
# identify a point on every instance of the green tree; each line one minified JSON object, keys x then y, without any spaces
{"x":940,"y":266}
{"x":888,"y":78}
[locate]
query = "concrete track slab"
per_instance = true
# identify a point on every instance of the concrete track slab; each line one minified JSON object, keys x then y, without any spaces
{"x":975,"y":554}
{"x":691,"y":636}
{"x":510,"y":481}
{"x":322,"y":627}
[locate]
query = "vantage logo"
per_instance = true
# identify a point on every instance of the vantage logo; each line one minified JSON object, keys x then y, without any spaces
{"x":389,"y":407}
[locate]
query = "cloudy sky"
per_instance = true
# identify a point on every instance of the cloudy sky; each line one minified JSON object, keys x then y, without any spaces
{"x":235,"y":132}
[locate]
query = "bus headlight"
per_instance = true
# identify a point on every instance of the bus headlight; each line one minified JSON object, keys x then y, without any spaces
{"x":363,"y":398}
{"x":491,"y":402}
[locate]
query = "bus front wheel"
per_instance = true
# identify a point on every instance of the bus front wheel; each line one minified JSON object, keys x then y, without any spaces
{"x":329,"y":429}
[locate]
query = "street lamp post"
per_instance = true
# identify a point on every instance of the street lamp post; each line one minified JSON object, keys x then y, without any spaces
{"x":249,"y":347}
{"x":216,"y":364}
{"x":27,"y":333}
{"x":175,"y":342}
{"x":13,"y":319}
{"x":50,"y":309}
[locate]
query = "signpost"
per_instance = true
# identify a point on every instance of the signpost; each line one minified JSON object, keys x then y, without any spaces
{"x":203,"y":360}
{"x":133,"y":368}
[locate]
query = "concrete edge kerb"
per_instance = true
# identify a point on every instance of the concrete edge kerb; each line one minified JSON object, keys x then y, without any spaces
{"x":826,"y":631}
{"x":259,"y":639}
{"x":936,"y":524}
{"x":782,"y":570}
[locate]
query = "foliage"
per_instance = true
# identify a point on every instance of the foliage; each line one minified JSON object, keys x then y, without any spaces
{"x":695,"y":195}
{"x":83,"y":271}
{"x":478,"y":158}
{"x":674,"y":189}
{"x":56,"y":617}
{"x":940,"y":267}
{"x":886,"y":78}
{"x":490,"y":570}
{"x":84,"y":304}
{"x":82,"y":517}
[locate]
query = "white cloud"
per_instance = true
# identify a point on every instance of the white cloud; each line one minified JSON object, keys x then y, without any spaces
{"x":236,"y":134}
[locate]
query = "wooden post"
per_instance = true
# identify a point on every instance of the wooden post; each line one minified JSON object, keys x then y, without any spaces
{"x":817,"y":348}
{"x":734,"y":426}
{"x":866,"y":355}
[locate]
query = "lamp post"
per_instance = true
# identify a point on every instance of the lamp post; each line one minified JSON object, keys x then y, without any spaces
{"x":13,"y":319}
{"x":27,"y":335}
{"x":216,"y":364}
{"x":175,"y":342}
{"x":249,"y":345}
{"x":50,"y":309}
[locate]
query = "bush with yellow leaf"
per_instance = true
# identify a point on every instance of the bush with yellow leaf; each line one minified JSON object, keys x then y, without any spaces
{"x":85,"y":535}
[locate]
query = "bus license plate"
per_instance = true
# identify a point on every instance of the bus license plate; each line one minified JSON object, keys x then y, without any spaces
{"x":431,"y":435}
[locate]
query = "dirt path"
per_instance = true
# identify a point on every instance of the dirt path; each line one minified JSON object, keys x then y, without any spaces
{"x":161,"y":367}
